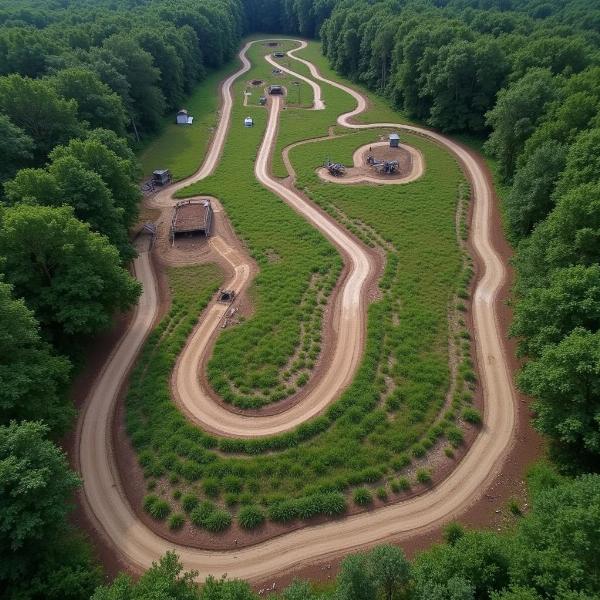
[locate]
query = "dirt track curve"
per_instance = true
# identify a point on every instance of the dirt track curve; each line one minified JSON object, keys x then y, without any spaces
{"x":139,"y":546}
{"x":358,"y":159}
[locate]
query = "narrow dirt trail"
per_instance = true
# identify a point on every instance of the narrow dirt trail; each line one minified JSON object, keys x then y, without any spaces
{"x":139,"y":546}
{"x":349,"y":321}
{"x":318,"y":103}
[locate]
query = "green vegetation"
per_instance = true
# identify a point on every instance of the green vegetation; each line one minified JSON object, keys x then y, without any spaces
{"x":525,"y":74}
{"x":548,"y":555}
{"x":181,"y":148}
{"x":268,"y":357}
{"x":251,"y":517}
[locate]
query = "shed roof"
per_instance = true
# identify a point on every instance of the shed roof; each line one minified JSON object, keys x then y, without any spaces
{"x":394,"y":136}
{"x":160,"y":172}
{"x":183,"y":111}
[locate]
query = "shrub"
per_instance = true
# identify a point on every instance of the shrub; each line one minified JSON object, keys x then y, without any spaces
{"x":199,"y":515}
{"x":402,"y":461}
{"x":424,"y":476}
{"x":211,"y":487}
{"x":471,"y":415}
{"x":176,"y":521}
{"x":218,"y":520}
{"x":455,"y":436}
{"x":362,"y":496}
{"x":404,"y":483}
{"x":156,"y":507}
{"x":233,"y":485}
{"x":149,"y":501}
{"x":449,"y":452}
{"x":189,"y":502}
{"x":283,"y":512}
{"x":333,"y":503}
{"x":250,"y":517}
{"x":382,"y":493}
{"x":176,"y":494}
{"x":453,"y":532}
{"x":514,"y":508}
{"x":418,"y":450}
{"x":231,"y":499}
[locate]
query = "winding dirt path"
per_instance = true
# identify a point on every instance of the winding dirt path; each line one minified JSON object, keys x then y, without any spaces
{"x":318,"y":103}
{"x":139,"y":546}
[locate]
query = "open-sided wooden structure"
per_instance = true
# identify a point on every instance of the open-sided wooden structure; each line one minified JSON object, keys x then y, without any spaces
{"x":191,"y":216}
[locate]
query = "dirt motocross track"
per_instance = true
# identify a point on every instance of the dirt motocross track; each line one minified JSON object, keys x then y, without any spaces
{"x":103,"y":497}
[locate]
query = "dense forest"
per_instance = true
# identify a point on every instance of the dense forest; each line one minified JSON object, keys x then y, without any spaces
{"x":84,"y":84}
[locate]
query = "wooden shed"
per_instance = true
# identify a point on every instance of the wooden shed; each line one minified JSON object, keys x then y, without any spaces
{"x":190,"y":217}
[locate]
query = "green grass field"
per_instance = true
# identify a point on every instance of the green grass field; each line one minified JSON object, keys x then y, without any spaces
{"x":392,"y":413}
{"x":181,"y":148}
{"x":268,"y":357}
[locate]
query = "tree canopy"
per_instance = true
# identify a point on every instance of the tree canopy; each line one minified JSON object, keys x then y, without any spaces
{"x":70,"y":277}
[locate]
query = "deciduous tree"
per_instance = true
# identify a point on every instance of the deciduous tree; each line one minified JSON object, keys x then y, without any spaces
{"x":33,"y":380}
{"x":68,"y":275}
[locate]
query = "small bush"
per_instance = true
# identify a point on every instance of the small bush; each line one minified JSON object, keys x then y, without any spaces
{"x":250,"y":517}
{"x":362,"y":496}
{"x":449,"y":452}
{"x":382,"y":493}
{"x":156,"y":507}
{"x":283,"y":512}
{"x":218,"y":520}
{"x":471,"y":415}
{"x":200,"y":514}
{"x":189,"y":502}
{"x":231,"y":499}
{"x":418,"y":450}
{"x":176,"y":494}
{"x":453,"y":532}
{"x":514,"y":508}
{"x":404,"y":483}
{"x":211,"y":487}
{"x":455,"y":436}
{"x":424,"y":476}
{"x":176,"y":521}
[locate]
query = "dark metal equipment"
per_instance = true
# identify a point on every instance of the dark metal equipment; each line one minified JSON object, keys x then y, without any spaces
{"x":226,"y":296}
{"x":275,"y":89}
{"x":383,"y":167}
{"x":335,"y":169}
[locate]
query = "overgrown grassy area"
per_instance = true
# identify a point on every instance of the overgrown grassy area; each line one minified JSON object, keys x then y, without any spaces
{"x":268,"y":357}
{"x":403,"y":400}
{"x":181,"y":148}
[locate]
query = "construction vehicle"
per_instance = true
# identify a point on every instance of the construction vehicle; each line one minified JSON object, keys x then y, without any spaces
{"x":335,"y":169}
{"x":383,"y":167}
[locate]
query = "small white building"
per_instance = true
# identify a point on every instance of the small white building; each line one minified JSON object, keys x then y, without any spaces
{"x":248,"y":122}
{"x":183,"y":117}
